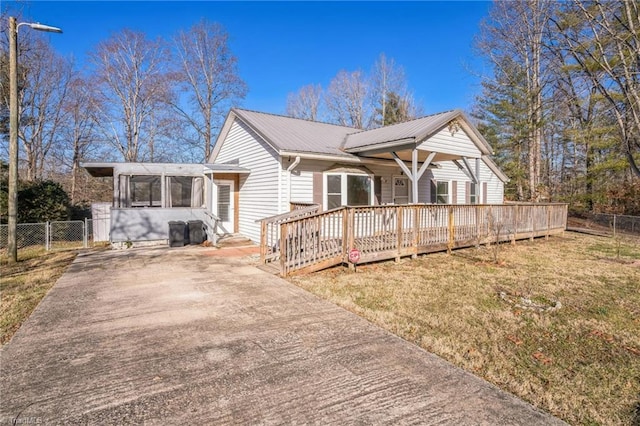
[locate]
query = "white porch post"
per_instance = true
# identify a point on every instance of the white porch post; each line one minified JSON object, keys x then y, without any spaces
{"x":414,"y":177}
{"x":414,"y":174}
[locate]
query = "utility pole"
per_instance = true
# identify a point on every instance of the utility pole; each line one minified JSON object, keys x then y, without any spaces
{"x":12,"y":244}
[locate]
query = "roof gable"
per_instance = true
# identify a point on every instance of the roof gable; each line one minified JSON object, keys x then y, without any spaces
{"x":414,"y":131}
{"x":288,"y":134}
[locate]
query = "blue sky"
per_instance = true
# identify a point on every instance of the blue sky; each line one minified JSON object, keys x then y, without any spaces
{"x":283,"y":46}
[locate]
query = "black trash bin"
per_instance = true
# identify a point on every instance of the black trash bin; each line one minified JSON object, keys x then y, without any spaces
{"x":177,"y":230}
{"x":196,"y":231}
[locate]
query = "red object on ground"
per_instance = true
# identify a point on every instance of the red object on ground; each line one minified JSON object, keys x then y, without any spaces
{"x":354,"y":255}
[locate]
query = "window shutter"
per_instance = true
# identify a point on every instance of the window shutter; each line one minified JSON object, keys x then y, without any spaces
{"x":484,"y":192}
{"x":377,"y":190}
{"x":317,"y":188}
{"x":467,"y":192}
{"x":454,"y":192}
{"x":433,"y":192}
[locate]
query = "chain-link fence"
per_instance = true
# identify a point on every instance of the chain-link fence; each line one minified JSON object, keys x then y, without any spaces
{"x":618,"y":223}
{"x":51,"y":235}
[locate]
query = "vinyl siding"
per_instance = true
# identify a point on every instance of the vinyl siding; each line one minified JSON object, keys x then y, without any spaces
{"x":302,"y":181}
{"x":302,"y":178}
{"x":458,"y":144}
{"x":449,"y":172}
{"x":258,"y":192}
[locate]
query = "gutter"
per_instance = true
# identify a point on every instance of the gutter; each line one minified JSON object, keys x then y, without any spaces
{"x":289,"y":170}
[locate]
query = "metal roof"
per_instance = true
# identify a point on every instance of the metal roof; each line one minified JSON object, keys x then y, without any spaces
{"x":416,"y":129}
{"x":294,"y":134}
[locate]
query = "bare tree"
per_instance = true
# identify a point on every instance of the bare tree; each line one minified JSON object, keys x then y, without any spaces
{"x":131,"y":84}
{"x":208,"y":72}
{"x":305,"y":103}
{"x":346,"y":100}
{"x":46,"y":82}
{"x":513,"y":36}
{"x":78,"y":130}
{"x":388,"y":81}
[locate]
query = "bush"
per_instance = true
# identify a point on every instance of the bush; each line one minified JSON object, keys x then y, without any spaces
{"x":42,"y":201}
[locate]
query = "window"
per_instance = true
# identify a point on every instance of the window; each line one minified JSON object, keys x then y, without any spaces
{"x":344,"y":189}
{"x":334,"y":191}
{"x":358,"y":190}
{"x":474,"y":197}
{"x":145,"y":191}
{"x":442,"y":192}
{"x":184,"y":191}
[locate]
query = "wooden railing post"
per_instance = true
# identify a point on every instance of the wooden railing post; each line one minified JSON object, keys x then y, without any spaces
{"x":263,"y":241}
{"x":416,"y":227}
{"x":399,"y":226}
{"x":451,"y":231}
{"x":283,"y":250}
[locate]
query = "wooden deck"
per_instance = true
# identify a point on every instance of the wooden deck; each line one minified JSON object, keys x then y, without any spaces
{"x":313,"y":241}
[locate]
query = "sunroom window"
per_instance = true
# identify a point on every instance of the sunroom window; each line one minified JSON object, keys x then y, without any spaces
{"x":145,"y":191}
{"x":184,"y":191}
{"x":348,"y":189}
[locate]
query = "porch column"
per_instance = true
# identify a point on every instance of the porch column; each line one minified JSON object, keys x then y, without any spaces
{"x":414,"y":178}
{"x":414,"y":174}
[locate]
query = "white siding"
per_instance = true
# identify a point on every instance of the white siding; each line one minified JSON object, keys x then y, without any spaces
{"x":449,"y":172}
{"x":458,"y":144}
{"x":302,"y":178}
{"x":258,"y":192}
{"x":495,"y":187}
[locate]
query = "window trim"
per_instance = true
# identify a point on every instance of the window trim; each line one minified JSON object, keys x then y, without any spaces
{"x":344,"y":187}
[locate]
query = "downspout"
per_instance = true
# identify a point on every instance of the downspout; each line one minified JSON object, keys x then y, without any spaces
{"x":289,"y":170}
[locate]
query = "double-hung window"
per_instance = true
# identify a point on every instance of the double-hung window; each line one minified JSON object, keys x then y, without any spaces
{"x":439,"y":192}
{"x":348,"y":189}
{"x":474,"y":196}
{"x":442,"y":193}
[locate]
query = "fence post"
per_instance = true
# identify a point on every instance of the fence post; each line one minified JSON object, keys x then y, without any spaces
{"x":533,"y":219}
{"x":614,"y":226}
{"x":47,"y":236}
{"x":85,"y":234}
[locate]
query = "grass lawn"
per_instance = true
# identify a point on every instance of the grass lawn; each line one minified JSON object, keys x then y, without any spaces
{"x":25,"y":283}
{"x":555,"y":322}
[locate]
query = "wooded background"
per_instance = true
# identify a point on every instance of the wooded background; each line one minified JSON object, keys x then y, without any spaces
{"x":560,"y":106}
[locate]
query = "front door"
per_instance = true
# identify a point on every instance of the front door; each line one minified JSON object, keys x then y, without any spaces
{"x":224,"y":206}
{"x":400,"y":190}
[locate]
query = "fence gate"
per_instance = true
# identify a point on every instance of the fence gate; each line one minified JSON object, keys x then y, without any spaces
{"x":67,"y":235}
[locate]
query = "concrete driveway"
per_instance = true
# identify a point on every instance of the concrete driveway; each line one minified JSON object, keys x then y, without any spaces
{"x":176,"y":336}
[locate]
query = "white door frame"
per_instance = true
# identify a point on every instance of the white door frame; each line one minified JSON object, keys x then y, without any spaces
{"x":227,"y":226}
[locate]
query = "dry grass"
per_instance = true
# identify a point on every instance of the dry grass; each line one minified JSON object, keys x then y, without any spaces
{"x":580,"y":362}
{"x":25,"y":283}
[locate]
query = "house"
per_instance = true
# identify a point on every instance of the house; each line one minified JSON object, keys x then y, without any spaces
{"x":441,"y":158}
{"x":263,"y":164}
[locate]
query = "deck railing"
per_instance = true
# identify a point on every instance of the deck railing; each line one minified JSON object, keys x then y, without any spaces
{"x":270,"y":230}
{"x":317,"y":241}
